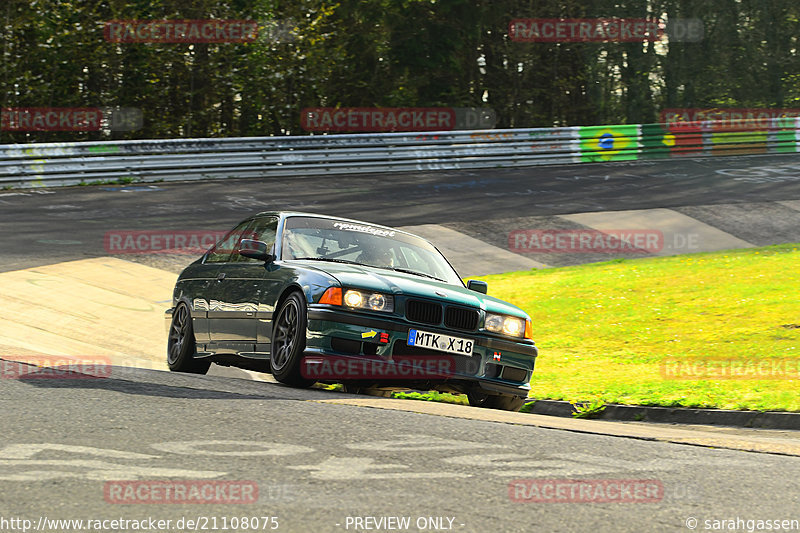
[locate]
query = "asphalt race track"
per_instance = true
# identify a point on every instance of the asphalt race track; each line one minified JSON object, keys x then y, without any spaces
{"x":316,"y":464}
{"x":326,"y":461}
{"x":43,"y":226}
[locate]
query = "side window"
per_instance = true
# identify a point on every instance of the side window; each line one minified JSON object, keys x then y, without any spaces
{"x":223,"y":251}
{"x":262,"y":229}
{"x":265,"y":229}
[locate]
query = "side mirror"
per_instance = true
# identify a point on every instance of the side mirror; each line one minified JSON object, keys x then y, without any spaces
{"x":255,"y":250}
{"x":477,"y":286}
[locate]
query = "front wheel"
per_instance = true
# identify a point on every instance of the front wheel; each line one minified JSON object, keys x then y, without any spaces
{"x":289,"y":341}
{"x":181,"y":345}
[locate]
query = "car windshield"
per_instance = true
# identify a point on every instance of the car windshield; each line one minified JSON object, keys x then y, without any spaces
{"x":326,"y":239}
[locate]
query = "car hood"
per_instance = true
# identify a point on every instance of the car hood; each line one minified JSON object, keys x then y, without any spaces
{"x":400,"y":283}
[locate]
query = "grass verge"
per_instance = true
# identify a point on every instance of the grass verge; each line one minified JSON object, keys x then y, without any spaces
{"x":608,"y":332}
{"x":613,"y":332}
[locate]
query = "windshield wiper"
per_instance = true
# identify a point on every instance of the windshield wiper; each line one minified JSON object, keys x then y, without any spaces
{"x":396,"y":269}
{"x":414,"y":272}
{"x":330,"y":259}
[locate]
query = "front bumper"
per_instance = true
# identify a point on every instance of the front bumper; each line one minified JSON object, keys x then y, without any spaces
{"x":500,"y":366}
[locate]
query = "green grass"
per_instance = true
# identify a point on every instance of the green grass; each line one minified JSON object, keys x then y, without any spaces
{"x":433,"y":396}
{"x":125,"y":180}
{"x":603,"y":329}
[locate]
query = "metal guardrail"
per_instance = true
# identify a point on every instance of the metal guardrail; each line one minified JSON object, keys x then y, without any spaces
{"x":51,"y":164}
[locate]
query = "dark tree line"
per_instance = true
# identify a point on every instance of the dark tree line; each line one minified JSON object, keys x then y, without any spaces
{"x":390,"y":53}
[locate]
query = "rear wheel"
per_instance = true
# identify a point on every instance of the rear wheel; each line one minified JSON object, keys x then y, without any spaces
{"x":289,"y":341}
{"x":495,"y":401}
{"x":181,"y":345}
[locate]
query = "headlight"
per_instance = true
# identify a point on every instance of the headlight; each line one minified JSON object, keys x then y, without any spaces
{"x":353,"y":299}
{"x":372,"y":301}
{"x":507,"y":325}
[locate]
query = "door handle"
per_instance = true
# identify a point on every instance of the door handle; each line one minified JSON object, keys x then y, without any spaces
{"x":220,"y":276}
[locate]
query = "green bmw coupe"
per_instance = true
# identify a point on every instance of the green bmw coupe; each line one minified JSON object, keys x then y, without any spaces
{"x":314,"y":298}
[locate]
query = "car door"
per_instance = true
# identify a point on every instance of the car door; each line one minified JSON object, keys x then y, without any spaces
{"x":219,"y":256}
{"x":238,"y":292}
{"x":196,"y":283}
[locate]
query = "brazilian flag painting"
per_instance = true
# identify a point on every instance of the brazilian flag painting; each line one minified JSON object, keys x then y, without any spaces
{"x":784,"y":135}
{"x":656,"y":141}
{"x":659,"y":141}
{"x":609,"y":143}
{"x":739,"y":143}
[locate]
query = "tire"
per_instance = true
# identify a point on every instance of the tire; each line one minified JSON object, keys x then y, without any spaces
{"x":495,"y":401}
{"x":349,"y":388}
{"x":289,"y":342}
{"x":181,"y":344}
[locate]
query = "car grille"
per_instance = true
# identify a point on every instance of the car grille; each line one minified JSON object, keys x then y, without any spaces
{"x":401,"y":348}
{"x":463,"y":364}
{"x":423,"y":312}
{"x":461,"y":318}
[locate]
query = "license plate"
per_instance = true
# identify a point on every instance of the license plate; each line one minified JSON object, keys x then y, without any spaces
{"x":439,"y":342}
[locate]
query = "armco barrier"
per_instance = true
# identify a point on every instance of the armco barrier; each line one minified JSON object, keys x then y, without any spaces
{"x":50,"y":164}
